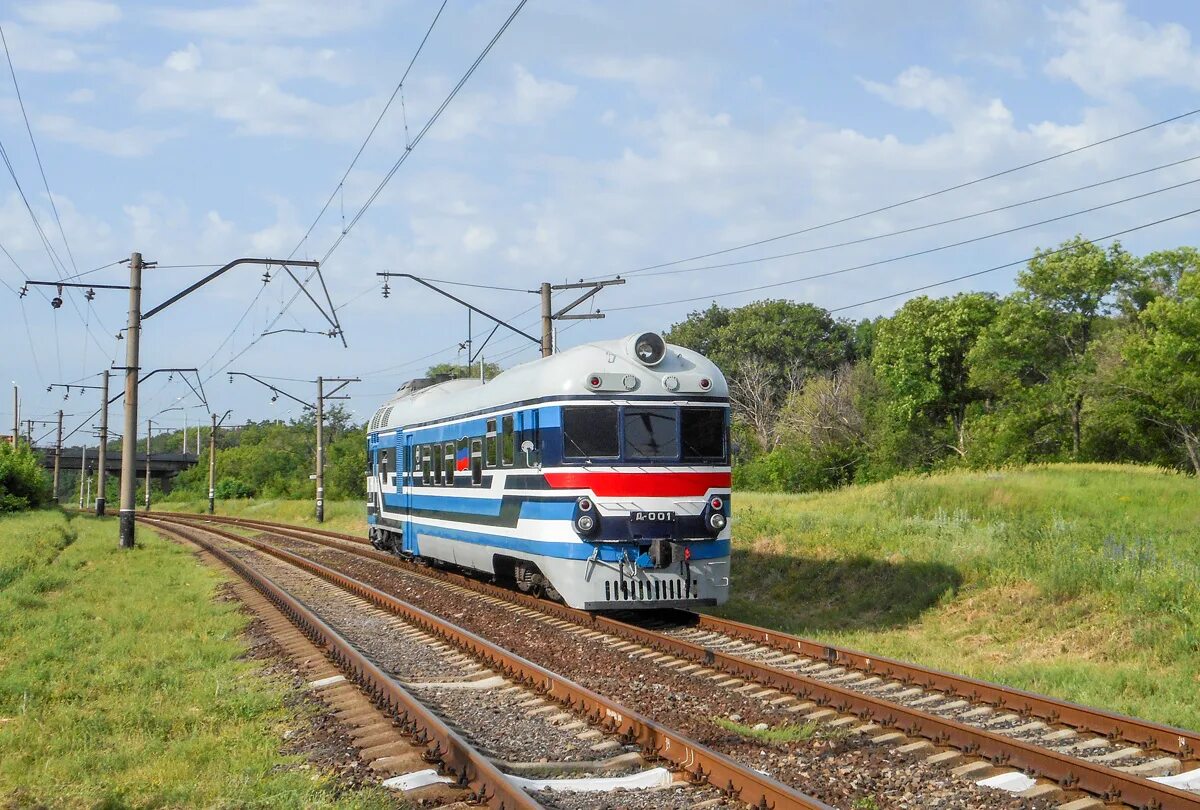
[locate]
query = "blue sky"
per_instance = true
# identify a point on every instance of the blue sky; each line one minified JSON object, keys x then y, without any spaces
{"x":597,"y":138}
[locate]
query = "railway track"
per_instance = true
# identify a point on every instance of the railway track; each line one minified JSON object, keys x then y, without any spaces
{"x":1083,"y":757}
{"x":492,"y":708}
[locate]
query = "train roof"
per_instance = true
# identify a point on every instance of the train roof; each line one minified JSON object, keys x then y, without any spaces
{"x":606,"y":369}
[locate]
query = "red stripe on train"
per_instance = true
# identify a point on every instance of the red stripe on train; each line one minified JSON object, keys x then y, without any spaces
{"x":650,"y":485}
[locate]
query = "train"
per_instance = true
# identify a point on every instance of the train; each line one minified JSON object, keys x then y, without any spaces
{"x":598,"y":476}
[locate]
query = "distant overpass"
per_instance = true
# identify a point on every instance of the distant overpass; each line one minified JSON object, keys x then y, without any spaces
{"x":162,"y":465}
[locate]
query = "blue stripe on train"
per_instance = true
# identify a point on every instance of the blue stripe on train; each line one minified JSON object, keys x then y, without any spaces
{"x":489,"y":507}
{"x":702,"y":550}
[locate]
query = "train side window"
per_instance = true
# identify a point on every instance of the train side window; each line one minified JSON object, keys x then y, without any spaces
{"x":590,"y":431}
{"x":476,"y":462}
{"x":383,"y":464}
{"x":507,"y":440}
{"x":450,"y":465}
{"x":437,"y":465}
{"x":491,"y":448}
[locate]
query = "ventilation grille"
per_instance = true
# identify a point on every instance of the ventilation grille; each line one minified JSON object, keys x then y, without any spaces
{"x":650,"y":590}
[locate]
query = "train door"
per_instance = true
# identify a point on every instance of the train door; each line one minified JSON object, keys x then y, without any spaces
{"x":406,"y":483}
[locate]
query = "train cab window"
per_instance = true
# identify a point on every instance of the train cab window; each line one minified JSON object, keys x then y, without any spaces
{"x":383,"y":464}
{"x":450,"y":464}
{"x":476,"y":462}
{"x":491,"y":449}
{"x":702,"y":433}
{"x":651,"y":433}
{"x":508,"y":441}
{"x":590,"y":431}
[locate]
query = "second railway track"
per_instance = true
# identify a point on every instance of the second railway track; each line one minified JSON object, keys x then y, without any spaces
{"x":1076,"y":752}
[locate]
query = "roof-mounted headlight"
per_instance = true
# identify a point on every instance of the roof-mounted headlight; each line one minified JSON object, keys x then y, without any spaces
{"x":649,"y":348}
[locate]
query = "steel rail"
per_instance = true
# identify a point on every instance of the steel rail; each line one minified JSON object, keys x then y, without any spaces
{"x":1069,"y":772}
{"x":472,"y":768}
{"x":701,"y":764}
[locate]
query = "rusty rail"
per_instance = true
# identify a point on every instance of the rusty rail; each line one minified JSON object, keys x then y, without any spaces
{"x":472,"y":768}
{"x":1070,"y":772}
{"x":702,"y":764}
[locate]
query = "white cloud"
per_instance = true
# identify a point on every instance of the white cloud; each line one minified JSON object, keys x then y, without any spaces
{"x":478,"y":238}
{"x":82,"y":95}
{"x":32,"y":50}
{"x":1106,"y":50}
{"x":535,"y":99}
{"x":70,"y":15}
{"x":183,"y":61}
{"x":273,"y":19}
{"x":651,"y":75}
{"x":127,"y":143}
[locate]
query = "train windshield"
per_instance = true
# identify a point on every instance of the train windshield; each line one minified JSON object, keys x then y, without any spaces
{"x":651,"y":433}
{"x":590,"y":432}
{"x":702,"y":431}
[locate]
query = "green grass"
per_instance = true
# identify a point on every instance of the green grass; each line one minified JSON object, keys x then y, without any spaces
{"x":779,"y":734}
{"x":122,"y":682}
{"x":340,"y":516}
{"x":1079,"y":581}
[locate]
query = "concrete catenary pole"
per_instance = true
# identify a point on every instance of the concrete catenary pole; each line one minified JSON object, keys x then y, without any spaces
{"x":16,"y":414}
{"x":102,"y":455}
{"x":149,"y":438}
{"x":320,"y":450}
{"x":547,"y":322}
{"x":58,"y":456}
{"x":133,"y":331}
{"x":212,"y":464}
{"x":82,"y":475}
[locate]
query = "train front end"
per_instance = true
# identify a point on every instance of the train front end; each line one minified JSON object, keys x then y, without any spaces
{"x":643,"y":465}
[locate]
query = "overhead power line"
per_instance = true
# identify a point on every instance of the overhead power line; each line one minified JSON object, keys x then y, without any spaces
{"x":925,"y":196}
{"x":32,"y":142}
{"x":354,"y":161}
{"x":1015,"y":263}
{"x":916,"y":228}
{"x":408,"y":150}
{"x":911,"y":255}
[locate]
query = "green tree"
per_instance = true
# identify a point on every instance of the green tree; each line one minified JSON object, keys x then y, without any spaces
{"x":766,"y":349}
{"x":456,"y":371}
{"x":1034,"y":354}
{"x":1164,"y":364}
{"x":921,"y":357}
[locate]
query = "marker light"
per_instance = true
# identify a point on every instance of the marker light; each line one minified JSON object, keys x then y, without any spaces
{"x":585,"y":505}
{"x":717,"y":521}
{"x":585,"y":523}
{"x":671,"y":383}
{"x":717,"y":503}
{"x":705,"y":383}
{"x":594,"y":382}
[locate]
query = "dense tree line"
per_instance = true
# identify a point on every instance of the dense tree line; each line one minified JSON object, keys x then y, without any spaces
{"x":1092,"y":358}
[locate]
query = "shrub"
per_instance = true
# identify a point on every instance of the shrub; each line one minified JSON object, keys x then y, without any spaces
{"x":23,"y":482}
{"x":228,"y":488}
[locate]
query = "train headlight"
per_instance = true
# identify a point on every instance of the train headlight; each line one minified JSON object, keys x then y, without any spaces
{"x":586,"y":519}
{"x":649,"y":348}
{"x":717,"y":521}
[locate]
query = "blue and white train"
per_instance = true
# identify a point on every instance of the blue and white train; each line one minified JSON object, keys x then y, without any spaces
{"x":599,"y":476}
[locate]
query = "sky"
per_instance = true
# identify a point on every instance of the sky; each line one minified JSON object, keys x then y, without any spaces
{"x":595,"y":139}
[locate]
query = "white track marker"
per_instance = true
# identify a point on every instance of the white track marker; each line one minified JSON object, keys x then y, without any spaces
{"x":655,"y":777}
{"x":416,"y":779}
{"x":326,"y":681}
{"x":1189,"y":780}
{"x":1013,"y":782}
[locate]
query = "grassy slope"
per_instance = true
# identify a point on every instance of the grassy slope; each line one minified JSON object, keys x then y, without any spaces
{"x":1079,"y":581}
{"x":121,"y":684}
{"x":340,"y":516}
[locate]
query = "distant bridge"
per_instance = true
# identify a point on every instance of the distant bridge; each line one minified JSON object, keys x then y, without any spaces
{"x":162,"y":465}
